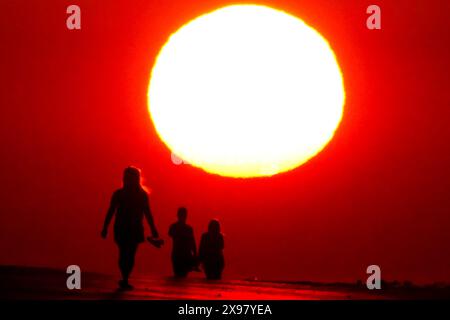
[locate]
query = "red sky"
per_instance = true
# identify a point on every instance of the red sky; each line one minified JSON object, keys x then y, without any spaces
{"x":74,"y":114}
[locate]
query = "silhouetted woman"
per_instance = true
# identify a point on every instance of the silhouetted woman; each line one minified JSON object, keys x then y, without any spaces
{"x":211,"y":251}
{"x":130,"y":205}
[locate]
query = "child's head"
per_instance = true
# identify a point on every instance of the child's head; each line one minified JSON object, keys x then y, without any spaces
{"x":182,"y":214}
{"x":214,"y":226}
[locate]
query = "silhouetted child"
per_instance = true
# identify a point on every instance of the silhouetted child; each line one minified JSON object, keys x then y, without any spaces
{"x":211,"y":251}
{"x":130,"y":205}
{"x":184,"y":252}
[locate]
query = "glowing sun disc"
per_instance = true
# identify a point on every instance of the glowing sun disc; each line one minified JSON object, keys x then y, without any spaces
{"x":246,"y":91}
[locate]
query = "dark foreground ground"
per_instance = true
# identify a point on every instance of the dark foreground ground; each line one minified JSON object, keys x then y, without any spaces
{"x":48,"y":284}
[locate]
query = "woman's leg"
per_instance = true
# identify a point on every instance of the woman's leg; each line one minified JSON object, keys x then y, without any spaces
{"x":213,"y":269}
{"x":127,"y":253}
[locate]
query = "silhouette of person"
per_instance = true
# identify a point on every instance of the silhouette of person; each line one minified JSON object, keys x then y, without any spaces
{"x":211,"y":251}
{"x":184,"y":251}
{"x":130,"y":205}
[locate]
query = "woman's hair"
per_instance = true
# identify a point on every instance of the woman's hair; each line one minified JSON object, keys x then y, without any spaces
{"x":132,"y":178}
{"x":214,"y":226}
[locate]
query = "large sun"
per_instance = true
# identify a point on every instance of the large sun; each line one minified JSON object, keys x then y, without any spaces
{"x":246,"y":91}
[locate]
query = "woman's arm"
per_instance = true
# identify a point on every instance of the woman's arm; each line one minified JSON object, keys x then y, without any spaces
{"x":109,"y":215}
{"x":149,"y":217}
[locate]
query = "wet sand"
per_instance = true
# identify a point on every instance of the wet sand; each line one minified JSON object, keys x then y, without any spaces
{"x":25,"y":283}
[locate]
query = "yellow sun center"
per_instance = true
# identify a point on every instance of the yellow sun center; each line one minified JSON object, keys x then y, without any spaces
{"x":246,"y":91}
